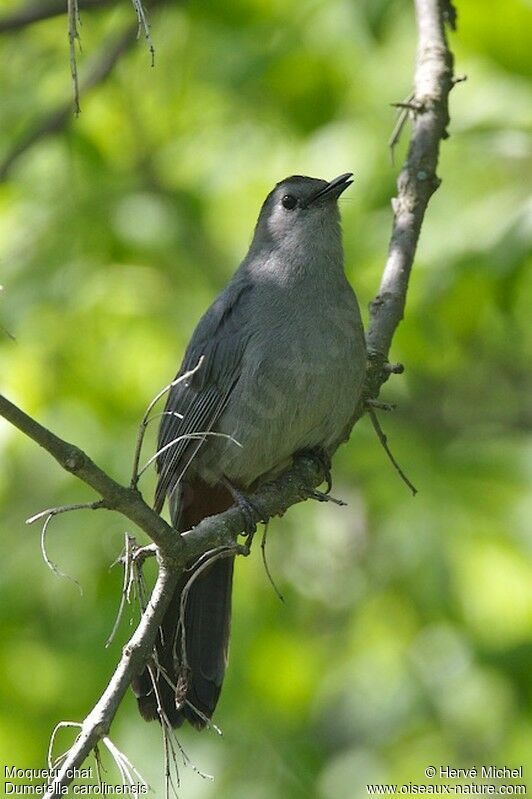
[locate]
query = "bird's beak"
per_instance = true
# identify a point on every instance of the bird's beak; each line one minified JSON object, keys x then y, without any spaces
{"x":333,"y":189}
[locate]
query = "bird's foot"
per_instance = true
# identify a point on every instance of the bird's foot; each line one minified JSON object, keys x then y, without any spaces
{"x":322,"y":458}
{"x":249,"y":511}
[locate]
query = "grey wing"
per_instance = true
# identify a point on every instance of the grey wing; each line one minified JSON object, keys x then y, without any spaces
{"x":195,"y":404}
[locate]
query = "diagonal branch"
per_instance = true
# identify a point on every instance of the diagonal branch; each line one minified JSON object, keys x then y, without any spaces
{"x":272,"y":499}
{"x":417,"y":180}
{"x":115,"y":496}
{"x":134,"y":656}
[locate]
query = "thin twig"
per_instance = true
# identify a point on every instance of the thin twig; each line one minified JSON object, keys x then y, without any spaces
{"x":266,"y":565}
{"x":41,"y":10}
{"x":99,"y":765}
{"x":402,"y":116}
{"x":66,"y":509}
{"x":200,"y":436}
{"x":202,"y":564}
{"x":73,"y":39}
{"x":124,"y":765}
{"x":417,"y":181}
{"x":139,"y":584}
{"x":168,"y":744}
{"x":51,"y":565}
{"x":134,"y":657}
{"x":74,"y":460}
{"x":144,"y":27}
{"x":216,"y":531}
{"x":59,"y":726}
{"x":127,"y":561}
{"x":140,"y":554}
{"x":164,"y":674}
{"x":48,"y":515}
{"x":384,"y":441}
{"x":147,"y":415}
{"x":321,"y":496}
{"x":170,"y":738}
{"x":377,"y":405}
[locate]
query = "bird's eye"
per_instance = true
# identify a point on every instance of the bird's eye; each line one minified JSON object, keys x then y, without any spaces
{"x":289,"y":201}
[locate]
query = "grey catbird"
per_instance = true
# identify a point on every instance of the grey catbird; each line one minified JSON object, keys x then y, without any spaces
{"x":282,"y":361}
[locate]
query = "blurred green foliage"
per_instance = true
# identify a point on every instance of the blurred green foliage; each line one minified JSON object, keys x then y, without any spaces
{"x":405,"y":636}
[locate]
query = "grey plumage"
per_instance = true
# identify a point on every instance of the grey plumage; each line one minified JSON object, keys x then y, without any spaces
{"x":282,"y":371}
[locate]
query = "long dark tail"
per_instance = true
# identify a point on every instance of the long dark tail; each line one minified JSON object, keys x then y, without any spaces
{"x":191,"y":690}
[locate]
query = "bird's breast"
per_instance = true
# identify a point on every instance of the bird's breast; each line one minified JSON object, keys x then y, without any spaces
{"x":300,"y":383}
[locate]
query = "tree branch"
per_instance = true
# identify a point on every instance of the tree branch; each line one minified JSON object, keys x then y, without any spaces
{"x":42,"y":10}
{"x":174,"y":551}
{"x":134,"y":656}
{"x":417,"y":181}
{"x":127,"y":501}
{"x":272,"y":499}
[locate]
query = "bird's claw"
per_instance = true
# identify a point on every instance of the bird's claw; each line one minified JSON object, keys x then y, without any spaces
{"x":249,"y":512}
{"x":319,"y":456}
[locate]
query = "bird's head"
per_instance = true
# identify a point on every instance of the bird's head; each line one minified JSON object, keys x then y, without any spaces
{"x":301,"y":212}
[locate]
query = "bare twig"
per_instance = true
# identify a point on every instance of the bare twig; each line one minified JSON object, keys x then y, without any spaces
{"x":73,"y":40}
{"x":173,"y":552}
{"x":402,"y":116}
{"x":134,"y":656}
{"x":125,"y":767}
{"x":171,"y":743}
{"x":148,"y":417}
{"x":384,"y":441}
{"x":48,"y":515}
{"x":49,"y":512}
{"x":200,"y":436}
{"x":138,"y":583}
{"x":380,"y":406}
{"x":418,"y":181}
{"x":321,"y":496}
{"x":144,"y":27}
{"x":139,"y":555}
{"x":169,"y":753}
{"x":126,"y":586}
{"x":98,"y":764}
{"x":42,"y":10}
{"x":204,"y":562}
{"x":265,"y":563}
{"x":59,"y":726}
{"x":73,"y":460}
{"x":51,"y":565}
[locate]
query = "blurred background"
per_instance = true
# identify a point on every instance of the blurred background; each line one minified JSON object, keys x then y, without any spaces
{"x":405,"y":636}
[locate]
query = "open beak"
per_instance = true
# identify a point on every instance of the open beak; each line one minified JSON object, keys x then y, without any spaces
{"x":333,"y":189}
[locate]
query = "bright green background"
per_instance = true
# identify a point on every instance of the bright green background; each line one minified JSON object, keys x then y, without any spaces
{"x":405,"y":637}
